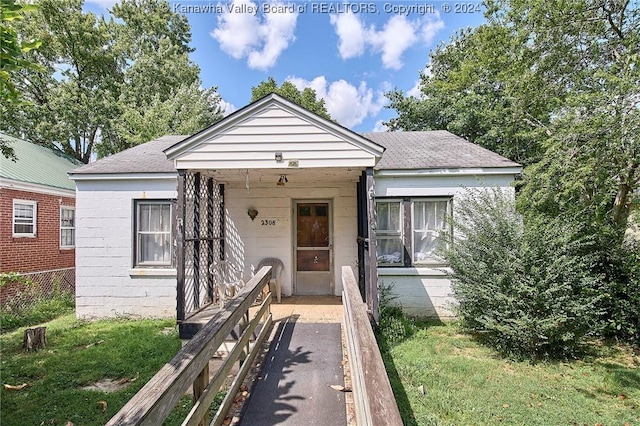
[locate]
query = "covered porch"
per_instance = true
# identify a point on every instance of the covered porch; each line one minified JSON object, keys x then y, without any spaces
{"x":273,"y":181}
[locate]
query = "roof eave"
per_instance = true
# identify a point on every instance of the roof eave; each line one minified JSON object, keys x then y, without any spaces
{"x":450,"y":171}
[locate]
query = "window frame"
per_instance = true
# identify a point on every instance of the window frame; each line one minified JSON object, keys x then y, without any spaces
{"x":407,"y":230}
{"x":68,"y":228}
{"x":34,"y":219}
{"x":136,"y":255}
{"x":392,"y":234}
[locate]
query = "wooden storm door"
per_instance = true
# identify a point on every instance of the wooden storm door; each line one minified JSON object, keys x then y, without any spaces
{"x":313,"y":248}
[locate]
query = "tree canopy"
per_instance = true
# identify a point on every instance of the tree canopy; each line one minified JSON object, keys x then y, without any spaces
{"x":306,"y":98}
{"x":108,"y":83}
{"x":556,"y":87}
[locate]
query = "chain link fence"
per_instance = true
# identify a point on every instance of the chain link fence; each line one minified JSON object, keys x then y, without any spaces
{"x":21,"y":291}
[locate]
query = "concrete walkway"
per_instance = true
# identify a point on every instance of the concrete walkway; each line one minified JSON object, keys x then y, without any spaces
{"x":304,"y":360}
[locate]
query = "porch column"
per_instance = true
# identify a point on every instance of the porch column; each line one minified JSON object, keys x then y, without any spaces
{"x":370,"y":256}
{"x":179,"y":221}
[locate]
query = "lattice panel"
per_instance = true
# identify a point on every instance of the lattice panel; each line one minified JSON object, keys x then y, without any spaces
{"x":203,"y":231}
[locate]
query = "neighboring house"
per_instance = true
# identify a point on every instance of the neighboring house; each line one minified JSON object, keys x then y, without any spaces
{"x":272,"y":180}
{"x":37,"y":212}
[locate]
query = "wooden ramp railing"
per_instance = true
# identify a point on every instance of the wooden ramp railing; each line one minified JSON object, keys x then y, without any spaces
{"x":372,"y":394}
{"x":190,"y":367}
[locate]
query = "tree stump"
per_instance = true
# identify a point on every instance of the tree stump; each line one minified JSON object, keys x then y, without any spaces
{"x":34,"y":338}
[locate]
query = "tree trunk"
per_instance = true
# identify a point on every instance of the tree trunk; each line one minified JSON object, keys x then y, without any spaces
{"x":35,"y":338}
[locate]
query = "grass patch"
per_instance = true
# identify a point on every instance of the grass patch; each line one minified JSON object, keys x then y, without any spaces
{"x":78,"y":354}
{"x":466,"y":383}
{"x":39,"y":312}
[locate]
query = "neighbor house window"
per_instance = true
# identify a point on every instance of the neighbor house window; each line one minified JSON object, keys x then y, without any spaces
{"x":24,"y":218}
{"x":153,"y":233}
{"x":67,"y":227}
{"x":409,"y":231}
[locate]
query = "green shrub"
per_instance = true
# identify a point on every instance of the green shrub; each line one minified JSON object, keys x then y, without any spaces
{"x":526,"y":291}
{"x":393,"y":325}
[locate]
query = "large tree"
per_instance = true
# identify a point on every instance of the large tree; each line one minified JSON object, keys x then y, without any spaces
{"x":306,"y":98}
{"x":556,"y":86}
{"x":103,"y":74}
{"x":12,"y":49}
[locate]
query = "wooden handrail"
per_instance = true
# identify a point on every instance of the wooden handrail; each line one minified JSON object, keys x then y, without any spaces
{"x":155,"y":401}
{"x":372,"y":393}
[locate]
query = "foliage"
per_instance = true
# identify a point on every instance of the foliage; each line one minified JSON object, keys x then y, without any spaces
{"x":36,"y":313}
{"x":393,"y":325}
{"x":482,"y":93}
{"x":464,"y":383}
{"x":78,"y":354}
{"x":12,"y":49}
{"x":554,"y":86}
{"x":306,"y":98}
{"x":108,"y":82}
{"x":526,"y":291}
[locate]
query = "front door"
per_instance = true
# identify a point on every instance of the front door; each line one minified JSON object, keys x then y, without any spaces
{"x":313,"y":248}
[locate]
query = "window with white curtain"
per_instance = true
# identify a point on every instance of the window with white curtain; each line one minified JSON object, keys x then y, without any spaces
{"x":67,"y":227}
{"x":410,"y":231}
{"x":389,"y":247}
{"x":153,"y":233}
{"x":429,"y":220}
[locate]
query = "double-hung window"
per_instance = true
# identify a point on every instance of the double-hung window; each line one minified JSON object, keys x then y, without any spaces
{"x":410,"y":231}
{"x":25,"y":214}
{"x":390,"y":249}
{"x":67,"y":227}
{"x":153,"y":233}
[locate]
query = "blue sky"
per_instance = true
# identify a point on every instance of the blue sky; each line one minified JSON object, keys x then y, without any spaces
{"x":349,"y":53}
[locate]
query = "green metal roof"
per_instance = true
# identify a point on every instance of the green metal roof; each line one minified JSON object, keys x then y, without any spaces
{"x":37,"y":164}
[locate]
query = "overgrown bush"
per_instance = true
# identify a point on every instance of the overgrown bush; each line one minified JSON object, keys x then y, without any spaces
{"x":393,"y":325}
{"x":527,"y":291}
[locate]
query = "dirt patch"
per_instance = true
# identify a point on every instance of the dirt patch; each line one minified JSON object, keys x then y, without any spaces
{"x":108,"y":385}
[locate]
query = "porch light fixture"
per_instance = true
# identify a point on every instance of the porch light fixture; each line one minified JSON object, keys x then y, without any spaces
{"x":283,"y":179}
{"x":252,"y":213}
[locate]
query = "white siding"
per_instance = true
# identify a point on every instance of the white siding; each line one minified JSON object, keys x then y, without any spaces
{"x":252,"y":144}
{"x":104,"y":239}
{"x":426,"y":292}
{"x":252,"y":241}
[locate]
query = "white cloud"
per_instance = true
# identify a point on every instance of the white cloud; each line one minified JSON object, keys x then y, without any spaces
{"x":227,"y":107}
{"x":351,"y":33}
{"x":380,"y":127}
{"x":349,"y":105}
{"x":396,"y":36}
{"x":247,"y":35}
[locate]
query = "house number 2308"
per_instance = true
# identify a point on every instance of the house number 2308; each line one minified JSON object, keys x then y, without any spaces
{"x":268,"y":222}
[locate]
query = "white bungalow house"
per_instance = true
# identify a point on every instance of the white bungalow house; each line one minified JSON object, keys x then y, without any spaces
{"x":272,"y":180}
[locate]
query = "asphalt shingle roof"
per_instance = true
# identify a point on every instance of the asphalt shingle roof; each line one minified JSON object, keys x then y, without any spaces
{"x":145,"y":158}
{"x":37,"y":164}
{"x":404,"y":151}
{"x":433,"y":149}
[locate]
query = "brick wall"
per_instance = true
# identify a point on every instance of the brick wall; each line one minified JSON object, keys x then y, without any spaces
{"x":38,"y":253}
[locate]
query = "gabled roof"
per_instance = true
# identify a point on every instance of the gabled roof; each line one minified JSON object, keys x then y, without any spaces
{"x":144,"y":158}
{"x":248,"y":137}
{"x":435,"y":149}
{"x":37,"y":164}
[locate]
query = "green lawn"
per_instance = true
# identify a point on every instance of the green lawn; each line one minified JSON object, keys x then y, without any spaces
{"x":465,"y":383}
{"x":80,"y":353}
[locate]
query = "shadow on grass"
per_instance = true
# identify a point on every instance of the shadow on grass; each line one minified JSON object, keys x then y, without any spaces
{"x":394,"y":328}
